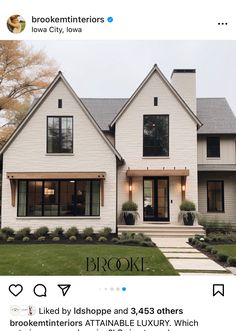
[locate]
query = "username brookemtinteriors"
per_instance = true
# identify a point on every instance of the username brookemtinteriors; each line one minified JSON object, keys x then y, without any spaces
{"x":60,"y":25}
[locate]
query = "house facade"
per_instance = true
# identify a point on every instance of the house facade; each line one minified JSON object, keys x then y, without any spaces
{"x":74,"y":162}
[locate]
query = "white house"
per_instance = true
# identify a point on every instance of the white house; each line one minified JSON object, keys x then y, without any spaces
{"x":73,"y":162}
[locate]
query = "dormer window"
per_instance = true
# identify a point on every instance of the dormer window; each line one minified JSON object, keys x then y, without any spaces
{"x":59,"y":134}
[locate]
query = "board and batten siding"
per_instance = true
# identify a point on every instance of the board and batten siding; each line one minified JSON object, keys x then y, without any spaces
{"x":227,"y":150}
{"x":229,"y":214}
{"x":182,"y":145}
{"x":27,"y":153}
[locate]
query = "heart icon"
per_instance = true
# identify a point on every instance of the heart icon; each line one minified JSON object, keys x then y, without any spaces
{"x":15,"y":289}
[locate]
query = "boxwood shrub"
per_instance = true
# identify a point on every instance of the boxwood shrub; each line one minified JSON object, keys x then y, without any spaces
{"x":41,"y":232}
{"x":231,"y":261}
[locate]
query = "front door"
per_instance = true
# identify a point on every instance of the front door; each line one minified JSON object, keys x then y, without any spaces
{"x":156,"y":199}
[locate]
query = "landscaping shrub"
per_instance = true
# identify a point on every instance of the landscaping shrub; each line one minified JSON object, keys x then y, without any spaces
{"x":89,"y":238}
{"x":25,"y":232}
{"x":214,"y":251}
{"x":105,"y":232}
{"x":221,"y":238}
{"x":222,"y":257}
{"x":190,"y":240}
{"x":57,"y":232}
{"x":41,"y":238}
{"x":2,"y":236}
{"x":187,"y":205}
{"x":25,"y":239}
{"x":216,"y":227}
{"x":56,"y":239}
{"x":88,"y":232}
{"x":129,"y":206}
{"x":147,"y":244}
{"x":72,"y":232}
{"x":209,"y":249}
{"x":231,"y":261}
{"x":194,"y":241}
{"x":102,"y":239}
{"x":9,"y":232}
{"x":10,"y":239}
{"x":41,"y":232}
{"x":203,"y":245}
{"x":127,"y":235}
{"x":115,"y":240}
{"x":72,"y":238}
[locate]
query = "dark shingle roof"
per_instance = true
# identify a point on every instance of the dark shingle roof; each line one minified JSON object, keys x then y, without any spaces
{"x":215,"y":113}
{"x":103,"y":110}
{"x":216,"y":116}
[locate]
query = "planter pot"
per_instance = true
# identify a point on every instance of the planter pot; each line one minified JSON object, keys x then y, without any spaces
{"x":188,"y":219}
{"x":129,"y":218}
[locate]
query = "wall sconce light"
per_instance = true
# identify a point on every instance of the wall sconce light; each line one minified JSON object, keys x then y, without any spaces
{"x":130,"y":187}
{"x":183,"y":188}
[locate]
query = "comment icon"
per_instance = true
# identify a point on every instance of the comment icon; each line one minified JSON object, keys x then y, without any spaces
{"x":40,"y":290}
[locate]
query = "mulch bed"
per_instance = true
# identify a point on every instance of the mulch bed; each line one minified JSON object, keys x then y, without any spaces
{"x":63,"y":240}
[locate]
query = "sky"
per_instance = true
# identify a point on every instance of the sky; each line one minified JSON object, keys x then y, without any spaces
{"x":114,"y":69}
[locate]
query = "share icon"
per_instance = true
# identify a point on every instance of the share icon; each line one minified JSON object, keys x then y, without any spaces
{"x":64,"y":288}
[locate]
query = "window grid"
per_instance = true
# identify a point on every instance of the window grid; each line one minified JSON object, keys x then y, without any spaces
{"x":85,"y":204}
{"x":59,"y":134}
{"x":215,"y":196}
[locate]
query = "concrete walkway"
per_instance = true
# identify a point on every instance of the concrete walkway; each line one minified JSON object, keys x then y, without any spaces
{"x":186,"y":259}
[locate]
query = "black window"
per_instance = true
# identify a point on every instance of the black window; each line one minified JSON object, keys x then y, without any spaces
{"x":155,"y":101}
{"x":59,"y":198}
{"x":156,"y":135}
{"x":59,"y":134}
{"x":213,"y":146}
{"x":215,"y":196}
{"x":59,"y":103}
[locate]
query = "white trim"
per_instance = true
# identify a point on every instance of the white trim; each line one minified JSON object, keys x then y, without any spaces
{"x":171,"y":88}
{"x":40,"y":101}
{"x":56,"y":217}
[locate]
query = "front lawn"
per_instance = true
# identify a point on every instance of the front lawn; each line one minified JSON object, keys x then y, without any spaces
{"x":58,"y":259}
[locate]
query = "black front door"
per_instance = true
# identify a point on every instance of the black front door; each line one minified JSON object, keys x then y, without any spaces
{"x":156,"y":199}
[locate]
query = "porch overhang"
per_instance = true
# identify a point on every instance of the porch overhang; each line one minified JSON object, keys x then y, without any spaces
{"x":216,"y":167}
{"x":15,"y":176}
{"x":157,"y":173}
{"x":56,"y":175}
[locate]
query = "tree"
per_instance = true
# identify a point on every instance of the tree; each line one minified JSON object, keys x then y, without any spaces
{"x":24,"y":74}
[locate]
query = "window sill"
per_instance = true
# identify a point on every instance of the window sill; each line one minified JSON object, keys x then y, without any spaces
{"x":216,"y":212}
{"x":56,"y":217}
{"x":214,"y":158}
{"x":155,"y":157}
{"x":59,"y":154}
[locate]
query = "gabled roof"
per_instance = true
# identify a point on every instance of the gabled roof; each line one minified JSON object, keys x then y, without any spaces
{"x":155,"y":69}
{"x":216,"y":116}
{"x":104,"y":110}
{"x":38,"y":103}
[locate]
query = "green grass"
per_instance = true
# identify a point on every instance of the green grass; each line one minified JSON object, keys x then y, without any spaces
{"x":229,"y":250}
{"x":71,"y":259}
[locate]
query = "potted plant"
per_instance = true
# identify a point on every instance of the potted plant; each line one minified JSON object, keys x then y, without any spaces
{"x":187,"y":212}
{"x":129,"y":212}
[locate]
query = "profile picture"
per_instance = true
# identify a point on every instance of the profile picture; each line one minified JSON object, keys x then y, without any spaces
{"x":16,"y":24}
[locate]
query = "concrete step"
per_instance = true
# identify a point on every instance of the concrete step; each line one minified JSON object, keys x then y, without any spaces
{"x":163,"y":230}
